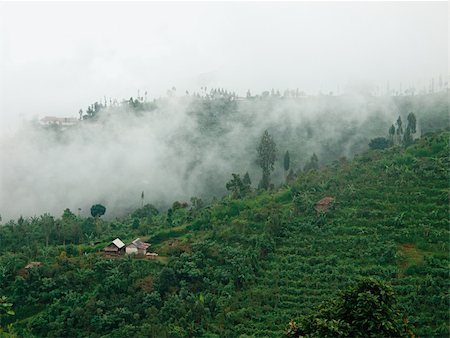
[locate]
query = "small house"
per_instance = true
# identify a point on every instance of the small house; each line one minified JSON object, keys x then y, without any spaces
{"x":117,"y":247}
{"x":32,"y":265}
{"x":151,"y":255}
{"x":137,"y":247}
{"x":324,"y":204}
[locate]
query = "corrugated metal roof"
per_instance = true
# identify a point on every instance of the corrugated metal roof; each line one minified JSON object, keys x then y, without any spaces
{"x":139,"y":244}
{"x":117,"y":242}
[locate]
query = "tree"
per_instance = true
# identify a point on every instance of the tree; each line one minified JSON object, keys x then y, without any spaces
{"x":367,"y":309}
{"x":69,"y":227}
{"x":287,"y":161}
{"x":147,"y":211}
{"x":290,"y":177}
{"x":407,"y":137}
{"x":48,"y":224}
{"x":246,"y":180}
{"x":392,"y":134}
{"x":412,"y":123}
{"x":313,"y":163}
{"x":97,"y":210}
{"x":197,"y":203}
{"x":379,"y":143}
{"x":169,"y":218}
{"x":266,"y":158}
{"x":6,"y":309}
{"x":399,"y":129}
{"x":167,"y":280}
{"x":237,"y":187}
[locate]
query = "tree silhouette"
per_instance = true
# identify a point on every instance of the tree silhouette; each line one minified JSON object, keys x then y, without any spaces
{"x":266,"y":158}
{"x":97,"y":210}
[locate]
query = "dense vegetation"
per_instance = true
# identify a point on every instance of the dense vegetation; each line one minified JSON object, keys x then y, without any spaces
{"x":245,"y":265}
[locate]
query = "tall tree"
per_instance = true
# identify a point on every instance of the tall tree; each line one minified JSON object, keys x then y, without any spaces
{"x":286,"y":164}
{"x":287,"y":161}
{"x":408,"y":137}
{"x":246,"y":180}
{"x":48,"y":224}
{"x":237,"y":187}
{"x":391,"y":134}
{"x":313,"y":163}
{"x":412,"y":123}
{"x":399,"y":130}
{"x":266,"y":158}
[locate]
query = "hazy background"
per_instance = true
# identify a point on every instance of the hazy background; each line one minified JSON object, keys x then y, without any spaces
{"x":58,"y":57}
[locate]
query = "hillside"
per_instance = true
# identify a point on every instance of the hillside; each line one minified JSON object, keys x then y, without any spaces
{"x":177,"y":147}
{"x":243,"y":267}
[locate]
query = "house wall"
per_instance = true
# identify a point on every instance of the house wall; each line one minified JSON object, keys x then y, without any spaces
{"x":131,"y":250}
{"x":111,"y":248}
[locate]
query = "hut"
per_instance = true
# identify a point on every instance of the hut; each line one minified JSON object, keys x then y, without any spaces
{"x":137,"y":247}
{"x":324,"y":204}
{"x":117,"y":247}
{"x":151,"y":255}
{"x":32,"y":265}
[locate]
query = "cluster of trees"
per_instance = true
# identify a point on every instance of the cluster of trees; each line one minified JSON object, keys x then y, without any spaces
{"x":92,"y":111}
{"x":367,"y":309}
{"x":397,"y":136}
{"x":266,"y":157}
{"x":48,"y":230}
{"x":277,"y":94}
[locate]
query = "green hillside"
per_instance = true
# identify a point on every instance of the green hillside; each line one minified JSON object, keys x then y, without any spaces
{"x":243,"y":267}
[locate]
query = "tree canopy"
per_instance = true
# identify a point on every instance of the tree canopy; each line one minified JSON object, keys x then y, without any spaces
{"x":367,"y":309}
{"x":266,"y":158}
{"x":97,"y":210}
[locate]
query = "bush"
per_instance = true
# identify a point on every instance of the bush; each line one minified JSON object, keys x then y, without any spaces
{"x":379,"y":143}
{"x":368,"y":309}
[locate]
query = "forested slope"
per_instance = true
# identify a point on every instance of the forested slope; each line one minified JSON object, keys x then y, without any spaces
{"x":243,"y":266}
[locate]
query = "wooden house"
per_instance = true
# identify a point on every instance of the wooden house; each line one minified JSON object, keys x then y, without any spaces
{"x":137,"y":247}
{"x":32,"y":265}
{"x":324,"y":204}
{"x":117,"y":247}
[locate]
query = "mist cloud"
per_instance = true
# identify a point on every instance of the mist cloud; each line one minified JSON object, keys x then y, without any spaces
{"x":168,"y":153}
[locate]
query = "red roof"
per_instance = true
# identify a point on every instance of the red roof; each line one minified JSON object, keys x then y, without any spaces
{"x":324,"y":203}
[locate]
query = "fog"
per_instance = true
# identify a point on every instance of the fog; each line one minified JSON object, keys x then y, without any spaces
{"x":178,"y":150}
{"x":56,"y":58}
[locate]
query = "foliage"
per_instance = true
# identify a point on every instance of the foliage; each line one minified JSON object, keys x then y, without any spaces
{"x":313,"y":163}
{"x":379,"y":143}
{"x":239,"y":188}
{"x":147,"y":211}
{"x":246,"y":180}
{"x":244,"y":267}
{"x":266,"y":158}
{"x":97,"y":210}
{"x":286,"y":161}
{"x":368,"y":309}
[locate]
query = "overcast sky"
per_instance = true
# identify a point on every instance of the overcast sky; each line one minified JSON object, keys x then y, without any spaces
{"x":56,"y":58}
